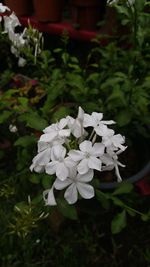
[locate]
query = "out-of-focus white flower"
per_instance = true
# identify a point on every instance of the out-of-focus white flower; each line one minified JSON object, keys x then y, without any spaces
{"x":11,"y":22}
{"x":21,"y":62}
{"x":13,"y":128}
{"x":3,"y":8}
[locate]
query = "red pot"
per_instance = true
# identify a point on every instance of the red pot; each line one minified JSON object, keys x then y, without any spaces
{"x":48,"y":10}
{"x":85,"y":14}
{"x":20,"y":7}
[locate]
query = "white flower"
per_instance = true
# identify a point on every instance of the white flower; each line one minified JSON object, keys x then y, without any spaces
{"x":21,"y":62}
{"x":3,"y":8}
{"x":76,"y":183}
{"x":111,"y":161}
{"x":10,"y":22}
{"x":95,"y":121}
{"x":59,"y":164}
{"x":114,"y":141}
{"x":87,"y":156}
{"x":13,"y":128}
{"x":41,"y":160}
{"x":56,"y":130}
{"x":76,"y":125}
{"x":48,"y":196}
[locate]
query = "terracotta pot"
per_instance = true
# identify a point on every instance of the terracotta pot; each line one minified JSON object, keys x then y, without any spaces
{"x":20,"y":7}
{"x":85,"y":14}
{"x":48,"y":10}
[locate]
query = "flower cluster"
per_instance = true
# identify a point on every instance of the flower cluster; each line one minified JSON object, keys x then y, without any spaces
{"x":29,"y":39}
{"x":72,"y":149}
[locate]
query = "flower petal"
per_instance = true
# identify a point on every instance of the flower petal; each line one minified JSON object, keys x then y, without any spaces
{"x":50,"y":199}
{"x":58,"y":152}
{"x":59,"y":185}
{"x":86,"y":146}
{"x":83,"y":166}
{"x":87,"y":177}
{"x":88,"y":121}
{"x":94,"y":163}
{"x":71,"y":194}
{"x":43,"y":157}
{"x":51,"y":167}
{"x":97,"y":116}
{"x":85,"y":190}
{"x":98,"y":149}
{"x":62,"y":171}
{"x":76,"y":155}
{"x":48,"y":137}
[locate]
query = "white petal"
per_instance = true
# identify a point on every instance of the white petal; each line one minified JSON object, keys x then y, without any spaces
{"x":88,"y":121}
{"x":94,"y":163}
{"x":49,"y":198}
{"x":58,"y":152}
{"x":85,"y":190}
{"x":83,"y":166}
{"x":108,"y":122}
{"x":102,"y":130}
{"x":37,"y":168}
{"x":80,"y":114}
{"x":71,"y":194}
{"x":48,"y":137}
{"x":42,"y":146}
{"x":76,"y":155}
{"x":98,"y":149}
{"x":87,"y":177}
{"x":51,"y":167}
{"x":97,"y":116}
{"x":43,"y":157}
{"x":65,"y":132}
{"x":59,"y":185}
{"x":70,"y":163}
{"x":86,"y":146}
{"x":62,"y":171}
{"x":62,"y":123}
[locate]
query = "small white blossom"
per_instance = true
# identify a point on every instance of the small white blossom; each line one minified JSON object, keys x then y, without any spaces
{"x":95,"y":120}
{"x":48,"y":196}
{"x":21,"y":62}
{"x":59,"y":163}
{"x":56,"y":130}
{"x":76,"y":183}
{"x":115,"y":141}
{"x":13,"y":128}
{"x":87,"y":156}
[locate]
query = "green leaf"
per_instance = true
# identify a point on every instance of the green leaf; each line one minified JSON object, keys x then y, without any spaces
{"x":123,"y":117}
{"x":25,"y":141}
{"x":123,"y":188}
{"x":119,"y":222}
{"x":35,"y":178}
{"x":47,"y":181}
{"x":67,"y":210}
{"x":117,"y":201}
{"x":103,"y":199}
{"x":4,"y":116}
{"x":33,"y":120}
